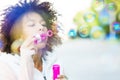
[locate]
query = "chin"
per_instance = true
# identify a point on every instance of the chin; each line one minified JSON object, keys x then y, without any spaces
{"x":41,"y":45}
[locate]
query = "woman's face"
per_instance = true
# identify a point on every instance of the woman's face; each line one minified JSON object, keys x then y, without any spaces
{"x":33,"y":23}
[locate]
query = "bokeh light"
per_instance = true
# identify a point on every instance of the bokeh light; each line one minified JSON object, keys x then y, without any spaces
{"x":83,"y":31}
{"x":72,"y":33}
{"x":98,"y":5}
{"x":112,"y":6}
{"x":97,"y":33}
{"x":116,"y":26}
{"x":102,"y":20}
{"x":104,"y":17}
{"x":89,"y":16}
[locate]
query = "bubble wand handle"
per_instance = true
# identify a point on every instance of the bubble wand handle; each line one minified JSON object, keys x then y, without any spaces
{"x":56,"y":71}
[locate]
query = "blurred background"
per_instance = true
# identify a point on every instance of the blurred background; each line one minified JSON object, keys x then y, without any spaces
{"x":90,"y":30}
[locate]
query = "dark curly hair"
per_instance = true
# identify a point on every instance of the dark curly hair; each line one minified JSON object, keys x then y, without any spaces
{"x":13,"y":13}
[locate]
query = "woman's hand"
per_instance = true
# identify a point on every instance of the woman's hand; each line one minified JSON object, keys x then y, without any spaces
{"x":28,"y":46}
{"x":62,"y":77}
{"x":28,"y":43}
{"x":27,"y":49}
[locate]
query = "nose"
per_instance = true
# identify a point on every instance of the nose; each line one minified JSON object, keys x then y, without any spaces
{"x":42,"y":29}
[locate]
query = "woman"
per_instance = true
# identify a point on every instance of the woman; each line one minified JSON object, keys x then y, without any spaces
{"x":28,"y":33}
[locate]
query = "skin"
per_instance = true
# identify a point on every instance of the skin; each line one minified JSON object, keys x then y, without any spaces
{"x":32,"y":23}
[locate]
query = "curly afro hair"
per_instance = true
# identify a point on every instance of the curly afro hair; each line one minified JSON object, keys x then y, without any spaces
{"x":13,"y":13}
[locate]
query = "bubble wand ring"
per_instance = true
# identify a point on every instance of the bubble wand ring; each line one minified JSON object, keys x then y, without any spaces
{"x":49,"y":33}
{"x":42,"y":37}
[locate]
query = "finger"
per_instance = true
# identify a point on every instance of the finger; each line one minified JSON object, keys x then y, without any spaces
{"x":28,"y":46}
{"x":31,"y":47}
{"x":62,"y":77}
{"x":28,"y":42}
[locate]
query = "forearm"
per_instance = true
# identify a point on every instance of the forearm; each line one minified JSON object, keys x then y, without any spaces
{"x":26,"y":66}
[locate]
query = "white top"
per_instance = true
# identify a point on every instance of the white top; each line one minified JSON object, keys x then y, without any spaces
{"x":15,"y":67}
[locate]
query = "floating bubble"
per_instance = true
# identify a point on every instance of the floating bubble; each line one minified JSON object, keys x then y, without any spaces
{"x":112,"y":6}
{"x":15,"y":47}
{"x":97,"y":33}
{"x":83,"y":31}
{"x":116,"y":26}
{"x":98,"y":5}
{"x":72,"y":33}
{"x":104,"y":17}
{"x":89,"y":16}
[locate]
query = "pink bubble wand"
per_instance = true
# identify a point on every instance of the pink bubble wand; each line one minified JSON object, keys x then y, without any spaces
{"x":56,"y":71}
{"x":42,"y":37}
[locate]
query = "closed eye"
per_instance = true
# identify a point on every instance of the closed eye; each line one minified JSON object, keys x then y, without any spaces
{"x":44,"y":25}
{"x":31,"y":25}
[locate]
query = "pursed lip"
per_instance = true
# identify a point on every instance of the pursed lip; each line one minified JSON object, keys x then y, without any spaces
{"x":40,"y":38}
{"x":43,"y":36}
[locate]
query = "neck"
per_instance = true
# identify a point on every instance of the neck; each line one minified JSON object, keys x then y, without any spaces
{"x":37,"y":58}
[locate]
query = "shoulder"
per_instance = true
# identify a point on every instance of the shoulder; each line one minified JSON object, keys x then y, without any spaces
{"x":12,"y":61}
{"x":6,"y":72}
{"x":5,"y":57}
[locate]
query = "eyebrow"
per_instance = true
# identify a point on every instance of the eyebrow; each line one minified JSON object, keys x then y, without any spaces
{"x":31,"y":19}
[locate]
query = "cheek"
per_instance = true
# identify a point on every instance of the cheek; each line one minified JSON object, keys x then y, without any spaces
{"x":27,"y":33}
{"x":41,"y":45}
{"x":45,"y":29}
